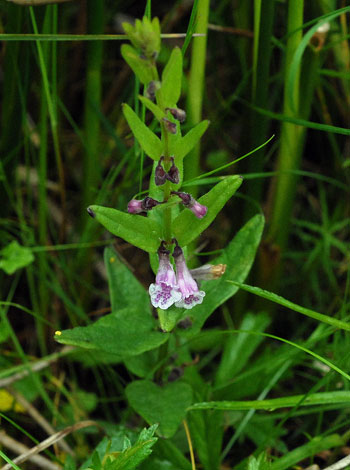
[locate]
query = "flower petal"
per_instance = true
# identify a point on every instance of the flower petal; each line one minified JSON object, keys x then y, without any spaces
{"x":191,"y":301}
{"x":163,"y":296}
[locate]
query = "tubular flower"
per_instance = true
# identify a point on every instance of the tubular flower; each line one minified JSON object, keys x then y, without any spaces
{"x":191,"y":295}
{"x":165,"y":292}
{"x":136,"y":206}
{"x":207,"y":272}
{"x":188,"y":201}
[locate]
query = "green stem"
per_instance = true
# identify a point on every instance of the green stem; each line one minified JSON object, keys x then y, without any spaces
{"x":263,"y":27}
{"x":167,"y":187}
{"x":53,"y":122}
{"x":92,"y":165}
{"x":290,"y":148}
{"x":196,"y":86}
{"x":11,"y":125}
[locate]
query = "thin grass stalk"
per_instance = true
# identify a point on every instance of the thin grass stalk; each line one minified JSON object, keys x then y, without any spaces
{"x":42,"y":202}
{"x":10,"y":105}
{"x":242,"y":17}
{"x":92,"y":159}
{"x":283,"y":191}
{"x":53,"y":124}
{"x":196,"y":87}
{"x":263,"y":30}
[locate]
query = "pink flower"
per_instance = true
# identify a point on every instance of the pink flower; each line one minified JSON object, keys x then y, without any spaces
{"x":198,"y":209}
{"x":191,"y":295}
{"x":188,"y":201}
{"x":136,"y":206}
{"x":165,"y":292}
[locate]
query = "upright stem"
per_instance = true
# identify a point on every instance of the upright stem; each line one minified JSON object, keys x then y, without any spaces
{"x":290,"y":148}
{"x":92,"y":166}
{"x":196,"y":85}
{"x":263,"y":26}
{"x":167,"y":188}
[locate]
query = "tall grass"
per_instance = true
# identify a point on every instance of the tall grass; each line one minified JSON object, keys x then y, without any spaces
{"x":265,"y":69}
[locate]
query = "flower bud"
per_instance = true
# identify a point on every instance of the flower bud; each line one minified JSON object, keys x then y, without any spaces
{"x":145,"y":35}
{"x":136,"y":206}
{"x":199,"y":210}
{"x":160,"y":174}
{"x":151,"y":89}
{"x":169,"y":126}
{"x":178,"y":114}
{"x":173,"y":174}
{"x":208,"y":272}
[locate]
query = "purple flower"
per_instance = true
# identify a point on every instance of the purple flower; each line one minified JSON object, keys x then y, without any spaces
{"x":165,"y":292}
{"x":198,"y":209}
{"x":188,"y":201}
{"x":191,"y":295}
{"x":135,"y":206}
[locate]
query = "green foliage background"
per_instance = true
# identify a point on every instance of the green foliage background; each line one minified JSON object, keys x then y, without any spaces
{"x":265,"y":371}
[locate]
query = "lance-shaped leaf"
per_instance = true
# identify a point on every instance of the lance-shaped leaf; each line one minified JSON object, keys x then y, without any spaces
{"x":181,"y":147}
{"x":135,"y":229}
{"x":187,"y":226}
{"x":158,"y":113}
{"x":170,"y":90}
{"x":128,"y":332}
{"x":140,"y":67}
{"x":150,"y":143}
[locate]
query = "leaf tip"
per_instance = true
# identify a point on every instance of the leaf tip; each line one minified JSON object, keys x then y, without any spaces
{"x":91,"y":212}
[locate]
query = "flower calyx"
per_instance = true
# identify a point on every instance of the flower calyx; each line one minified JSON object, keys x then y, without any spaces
{"x":169,"y":126}
{"x":161,"y":176}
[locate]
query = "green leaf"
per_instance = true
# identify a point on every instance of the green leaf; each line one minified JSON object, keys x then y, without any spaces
{"x":158,"y":113}
{"x":297,"y":308}
{"x":150,"y":143}
{"x":135,"y":229}
{"x":164,"y":405}
{"x":238,"y":256}
{"x":170,"y":90}
{"x":128,"y":332}
{"x":143,"y":364}
{"x":133,"y":455}
{"x":260,"y":463}
{"x":124,"y":289}
{"x":123,"y":449}
{"x":323,"y":398}
{"x":181,"y":147}
{"x":14,"y":257}
{"x":187,"y":226}
{"x":140,"y":67}
{"x":316,"y":445}
{"x":239,"y":348}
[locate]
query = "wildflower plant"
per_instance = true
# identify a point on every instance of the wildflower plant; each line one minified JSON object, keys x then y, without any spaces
{"x":174,"y":218}
{"x":163,"y":223}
